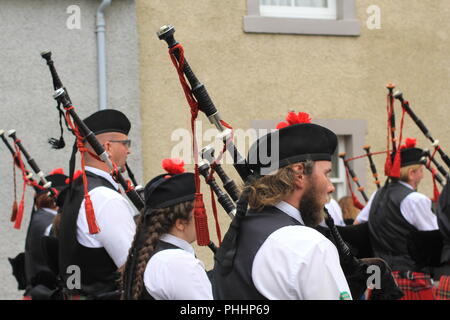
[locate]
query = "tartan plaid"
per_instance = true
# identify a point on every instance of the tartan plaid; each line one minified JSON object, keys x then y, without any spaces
{"x":442,"y":292}
{"x":415,"y":285}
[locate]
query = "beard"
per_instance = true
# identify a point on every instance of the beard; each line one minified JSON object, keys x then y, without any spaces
{"x":311,"y":208}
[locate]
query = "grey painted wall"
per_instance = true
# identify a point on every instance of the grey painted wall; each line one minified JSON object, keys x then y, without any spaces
{"x":28,"y":27}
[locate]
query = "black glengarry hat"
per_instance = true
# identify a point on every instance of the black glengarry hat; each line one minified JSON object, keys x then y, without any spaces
{"x":409,"y":154}
{"x":295,"y":141}
{"x":108,"y":120}
{"x":170,"y":188}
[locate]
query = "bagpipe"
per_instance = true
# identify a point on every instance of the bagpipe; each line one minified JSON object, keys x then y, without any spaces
{"x":82,"y":134}
{"x":27,"y":176}
{"x":426,"y":247}
{"x":199,"y":100}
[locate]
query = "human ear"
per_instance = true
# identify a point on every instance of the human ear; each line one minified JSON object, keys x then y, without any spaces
{"x":180,"y":224}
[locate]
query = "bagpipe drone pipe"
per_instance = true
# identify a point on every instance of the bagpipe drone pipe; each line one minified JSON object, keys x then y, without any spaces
{"x":432,"y":248}
{"x":83,"y":133}
{"x":199,"y":100}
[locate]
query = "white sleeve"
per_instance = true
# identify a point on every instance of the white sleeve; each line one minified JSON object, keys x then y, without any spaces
{"x":177,"y":275}
{"x":117,"y":228}
{"x":363,"y":215}
{"x":322,"y":277}
{"x":298,"y":263}
{"x":416,"y":209}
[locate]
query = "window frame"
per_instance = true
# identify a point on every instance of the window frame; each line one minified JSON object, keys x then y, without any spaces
{"x":346,"y":23}
{"x":341,"y":179}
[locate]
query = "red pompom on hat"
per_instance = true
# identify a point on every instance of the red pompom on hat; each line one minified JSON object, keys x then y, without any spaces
{"x":409,"y":143}
{"x":293,"y":118}
{"x":173,"y":166}
{"x":75,"y":176}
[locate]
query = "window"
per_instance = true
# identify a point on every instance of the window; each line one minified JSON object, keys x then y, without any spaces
{"x":310,"y":9}
{"x":320,"y":17}
{"x":338,"y":177}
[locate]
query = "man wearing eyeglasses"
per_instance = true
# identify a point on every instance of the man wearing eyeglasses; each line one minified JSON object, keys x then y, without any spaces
{"x":98,"y":256}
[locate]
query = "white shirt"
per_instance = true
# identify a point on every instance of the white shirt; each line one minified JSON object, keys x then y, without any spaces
{"x":114,"y":216}
{"x":415,"y":208}
{"x":176,"y":274}
{"x":335,"y":212}
{"x":298,"y":263}
{"x":53,"y":212}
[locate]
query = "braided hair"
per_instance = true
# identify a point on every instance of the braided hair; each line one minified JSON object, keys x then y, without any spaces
{"x":152,"y":224}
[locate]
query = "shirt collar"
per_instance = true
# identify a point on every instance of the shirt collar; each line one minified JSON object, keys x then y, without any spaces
{"x":290,"y":211}
{"x":406,"y":185}
{"x":53,"y":212}
{"x":103,"y":174}
{"x":182,"y":244}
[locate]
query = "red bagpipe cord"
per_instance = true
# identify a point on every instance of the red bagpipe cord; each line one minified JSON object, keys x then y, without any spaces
{"x":15,"y":207}
{"x":211,"y":174}
{"x":388,"y":163}
{"x":356,"y":202}
{"x":90,"y":215}
{"x":392,"y":169}
{"x":201,"y":219}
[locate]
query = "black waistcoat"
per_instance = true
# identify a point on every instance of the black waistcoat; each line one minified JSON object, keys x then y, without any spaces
{"x":35,"y":261}
{"x":389,"y":229}
{"x":255,"y":228}
{"x":98,"y":270}
{"x":159,"y":247}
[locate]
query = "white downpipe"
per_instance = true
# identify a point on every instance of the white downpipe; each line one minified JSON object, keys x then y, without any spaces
{"x":101,"y":53}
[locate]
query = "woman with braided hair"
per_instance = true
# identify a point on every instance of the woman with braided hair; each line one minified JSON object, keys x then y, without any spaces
{"x":161,"y":264}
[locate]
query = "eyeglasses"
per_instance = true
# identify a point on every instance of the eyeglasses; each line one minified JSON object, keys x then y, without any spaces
{"x":126,"y":143}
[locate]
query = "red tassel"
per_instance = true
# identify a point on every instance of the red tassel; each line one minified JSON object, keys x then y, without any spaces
{"x":395,"y":170}
{"x":90,"y":216}
{"x":201,"y":221}
{"x":19,"y":215}
{"x":14,"y":211}
{"x":387,"y":165}
{"x":356,"y":202}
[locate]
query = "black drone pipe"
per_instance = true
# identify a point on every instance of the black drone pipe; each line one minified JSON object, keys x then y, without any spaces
{"x":440,"y":168}
{"x":13,"y":153}
{"x":62,"y":96}
{"x":354,"y":177}
{"x":229,"y":185}
{"x":372,"y":166}
{"x":222,"y":197}
{"x":45,"y":184}
{"x":205,"y":104}
{"x":405,"y":105}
